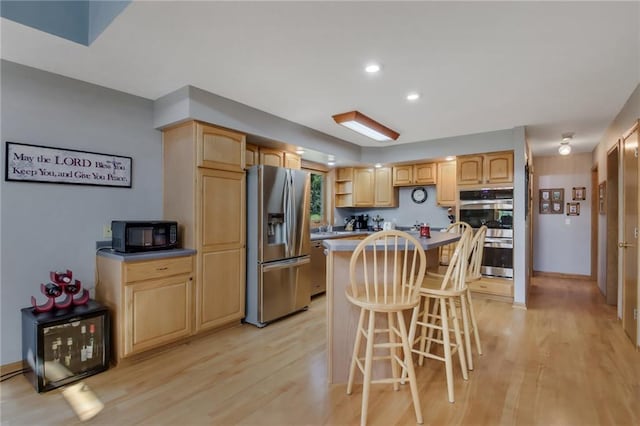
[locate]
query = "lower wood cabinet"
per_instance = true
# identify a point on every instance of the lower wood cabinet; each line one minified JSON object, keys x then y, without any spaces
{"x":151,"y":301}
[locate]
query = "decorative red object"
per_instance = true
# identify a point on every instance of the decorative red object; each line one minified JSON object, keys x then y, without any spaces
{"x":62,"y":283}
{"x":425,"y":231}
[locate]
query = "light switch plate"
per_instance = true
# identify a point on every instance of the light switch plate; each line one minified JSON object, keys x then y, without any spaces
{"x":567,"y":221}
{"x":106,"y":231}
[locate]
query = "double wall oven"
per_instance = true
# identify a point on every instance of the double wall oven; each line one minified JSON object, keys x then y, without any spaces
{"x":493,"y":208}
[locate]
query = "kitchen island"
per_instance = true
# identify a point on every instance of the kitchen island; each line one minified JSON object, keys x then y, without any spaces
{"x":342,"y":316}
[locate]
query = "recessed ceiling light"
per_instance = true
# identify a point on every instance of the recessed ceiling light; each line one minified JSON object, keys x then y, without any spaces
{"x":300,"y":151}
{"x":331,"y":163}
{"x":372,"y":68}
{"x":450,"y":158}
{"x":413,"y":96}
{"x":378,"y":165}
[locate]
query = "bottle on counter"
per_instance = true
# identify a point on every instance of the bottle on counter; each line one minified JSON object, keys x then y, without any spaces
{"x":68,"y":354}
{"x":83,"y":343}
{"x":90,"y":344}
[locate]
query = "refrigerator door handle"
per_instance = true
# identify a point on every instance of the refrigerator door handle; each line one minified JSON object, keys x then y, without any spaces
{"x":286,"y":264}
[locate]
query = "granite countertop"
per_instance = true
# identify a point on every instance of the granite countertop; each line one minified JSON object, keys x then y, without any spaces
{"x":147,"y":255}
{"x":437,"y":239}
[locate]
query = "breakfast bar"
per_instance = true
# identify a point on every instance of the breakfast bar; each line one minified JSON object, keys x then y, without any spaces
{"x":342,"y":317}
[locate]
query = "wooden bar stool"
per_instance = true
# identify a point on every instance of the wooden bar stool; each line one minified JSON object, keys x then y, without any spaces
{"x":469,"y":323}
{"x":447,"y":251}
{"x":439,"y":314}
{"x":386,"y":271}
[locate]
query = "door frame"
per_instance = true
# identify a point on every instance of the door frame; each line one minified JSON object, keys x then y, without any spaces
{"x":613,"y":290}
{"x":594,"y":223}
{"x":629,"y":323}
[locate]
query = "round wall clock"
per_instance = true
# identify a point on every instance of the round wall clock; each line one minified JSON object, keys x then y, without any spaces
{"x":419,"y":195}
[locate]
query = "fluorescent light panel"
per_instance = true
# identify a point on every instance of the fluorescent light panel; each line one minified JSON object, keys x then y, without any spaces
{"x":364,"y":125}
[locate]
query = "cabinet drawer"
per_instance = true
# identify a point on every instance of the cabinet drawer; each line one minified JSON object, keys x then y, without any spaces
{"x":139,"y":271}
{"x":490,"y":286}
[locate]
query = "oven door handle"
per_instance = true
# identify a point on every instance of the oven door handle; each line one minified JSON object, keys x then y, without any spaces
{"x":486,"y":206}
{"x":508,"y":244}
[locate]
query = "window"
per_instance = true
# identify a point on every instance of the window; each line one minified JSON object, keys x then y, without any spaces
{"x":317,"y":198}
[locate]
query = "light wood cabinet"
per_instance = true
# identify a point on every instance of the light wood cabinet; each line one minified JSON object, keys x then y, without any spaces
{"x":446,"y":192}
{"x":292,"y":161}
{"x":219,"y":149}
{"x":271,"y":157}
{"x":490,"y":168}
{"x":365,"y":187}
{"x":209,"y":204}
{"x":385,"y":195}
{"x":251,"y":156}
{"x":414,"y":174}
{"x":151,"y":301}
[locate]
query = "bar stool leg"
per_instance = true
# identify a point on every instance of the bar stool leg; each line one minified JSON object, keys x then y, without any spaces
{"x":356,"y":352}
{"x":466,"y":330}
{"x":459,"y":345}
{"x":368,"y":361}
{"x":408,"y":361}
{"x":474,"y":324}
{"x":393,"y":350}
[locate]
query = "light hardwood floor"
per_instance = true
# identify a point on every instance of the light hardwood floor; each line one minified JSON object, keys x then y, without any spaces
{"x":564,"y":361}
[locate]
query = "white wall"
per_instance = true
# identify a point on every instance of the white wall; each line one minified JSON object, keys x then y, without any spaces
{"x":54,"y":227}
{"x":562,"y":243}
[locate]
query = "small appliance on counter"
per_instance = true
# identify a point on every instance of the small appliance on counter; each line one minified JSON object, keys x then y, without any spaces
{"x":357,"y":223}
{"x":129,"y":236}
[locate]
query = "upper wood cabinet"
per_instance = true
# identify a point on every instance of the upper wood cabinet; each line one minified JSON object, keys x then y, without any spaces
{"x":491,"y":168}
{"x":365,"y":187}
{"x":219,"y":149}
{"x":414,"y":174}
{"x":292,"y":161}
{"x":251,"y":156}
{"x":446,"y":188}
{"x":271,"y":157}
{"x":385,"y":195}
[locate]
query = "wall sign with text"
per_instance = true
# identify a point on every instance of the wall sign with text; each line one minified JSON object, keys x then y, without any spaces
{"x":34,"y":163}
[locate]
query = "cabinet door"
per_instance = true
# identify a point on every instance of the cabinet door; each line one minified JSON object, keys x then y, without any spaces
{"x":499,"y":167}
{"x":446,"y":186}
{"x":403,"y":175}
{"x":220,"y":149}
{"x":157,"y":312}
{"x":222,"y":210}
{"x":363,"y":187}
{"x":470,"y":170}
{"x":220,"y":298}
{"x":271,"y":157}
{"x":292,"y":161}
{"x":424,"y":174}
{"x":251,"y":157}
{"x":385,"y":193}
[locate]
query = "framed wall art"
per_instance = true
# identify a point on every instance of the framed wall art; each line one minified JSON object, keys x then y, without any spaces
{"x":602,"y":199}
{"x":551,"y":201}
{"x":573,"y":209}
{"x":579,"y":193}
{"x":36,"y":163}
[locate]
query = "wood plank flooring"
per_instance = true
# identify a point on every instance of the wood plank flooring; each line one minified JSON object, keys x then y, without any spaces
{"x":564,"y":361}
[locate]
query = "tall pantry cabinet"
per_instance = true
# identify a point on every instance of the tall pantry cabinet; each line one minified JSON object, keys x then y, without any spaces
{"x":204,"y":190}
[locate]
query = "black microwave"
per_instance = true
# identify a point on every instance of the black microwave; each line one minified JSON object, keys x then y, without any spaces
{"x":128,"y":236}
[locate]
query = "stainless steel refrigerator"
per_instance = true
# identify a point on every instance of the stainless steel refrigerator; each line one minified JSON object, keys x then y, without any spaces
{"x":278,"y":243}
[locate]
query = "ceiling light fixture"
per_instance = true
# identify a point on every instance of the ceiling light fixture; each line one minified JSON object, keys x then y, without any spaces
{"x":413,"y":96}
{"x":372,"y":68}
{"x":331,"y":163}
{"x":300,"y":151}
{"x":377,"y":165}
{"x":450,"y":158}
{"x":364,"y":125}
{"x":565,"y":148}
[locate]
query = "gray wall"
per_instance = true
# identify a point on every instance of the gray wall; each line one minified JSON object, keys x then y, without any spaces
{"x":623,"y":122}
{"x":407,"y":212}
{"x":52,"y":227}
{"x":562,"y":243}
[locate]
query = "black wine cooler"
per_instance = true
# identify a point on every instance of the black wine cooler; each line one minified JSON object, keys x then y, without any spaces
{"x":65,"y":345}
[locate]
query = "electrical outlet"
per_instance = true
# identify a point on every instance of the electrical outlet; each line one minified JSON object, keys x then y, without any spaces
{"x":106,"y":231}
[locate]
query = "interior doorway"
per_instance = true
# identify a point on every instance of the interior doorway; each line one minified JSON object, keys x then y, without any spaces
{"x":611,"y":254}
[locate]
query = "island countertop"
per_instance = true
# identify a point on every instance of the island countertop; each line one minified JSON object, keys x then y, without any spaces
{"x":437,"y":239}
